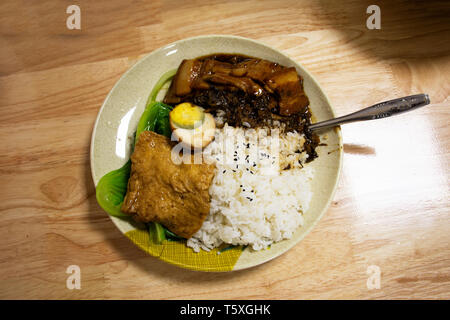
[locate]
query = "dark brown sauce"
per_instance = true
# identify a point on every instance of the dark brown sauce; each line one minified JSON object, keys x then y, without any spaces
{"x":248,"y":91}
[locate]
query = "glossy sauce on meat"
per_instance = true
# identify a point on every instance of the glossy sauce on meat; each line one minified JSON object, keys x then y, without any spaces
{"x":250,"y":92}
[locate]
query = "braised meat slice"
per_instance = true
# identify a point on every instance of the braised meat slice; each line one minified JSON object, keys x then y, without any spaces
{"x":246,"y":91}
{"x":257,"y":69}
{"x":252,"y":76}
{"x":211,"y":66}
{"x":245,"y":84}
{"x":176,"y":196}
{"x":288,"y":85}
{"x":186,"y":75}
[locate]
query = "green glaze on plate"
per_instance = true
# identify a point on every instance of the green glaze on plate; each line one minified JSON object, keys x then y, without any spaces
{"x":117,"y":121}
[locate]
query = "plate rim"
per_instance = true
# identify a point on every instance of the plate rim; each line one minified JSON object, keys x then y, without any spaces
{"x":266,"y":46}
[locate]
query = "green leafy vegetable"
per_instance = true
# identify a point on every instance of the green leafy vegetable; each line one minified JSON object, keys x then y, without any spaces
{"x":165,"y":77}
{"x":172,"y":236}
{"x":157,"y":232}
{"x":155,"y":118}
{"x":112,"y":187}
{"x":111,"y":190}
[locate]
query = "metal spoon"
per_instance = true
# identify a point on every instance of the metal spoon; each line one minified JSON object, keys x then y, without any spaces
{"x":377,"y":111}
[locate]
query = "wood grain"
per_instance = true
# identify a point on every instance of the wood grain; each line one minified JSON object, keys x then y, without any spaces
{"x":392,"y":205}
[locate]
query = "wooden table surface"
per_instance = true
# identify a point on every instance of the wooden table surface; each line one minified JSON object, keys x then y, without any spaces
{"x":391,"y":210}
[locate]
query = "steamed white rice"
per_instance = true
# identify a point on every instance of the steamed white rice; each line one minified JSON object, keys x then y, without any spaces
{"x":260,"y":191}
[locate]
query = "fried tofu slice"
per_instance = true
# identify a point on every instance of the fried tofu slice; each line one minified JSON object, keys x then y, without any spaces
{"x":177,"y":196}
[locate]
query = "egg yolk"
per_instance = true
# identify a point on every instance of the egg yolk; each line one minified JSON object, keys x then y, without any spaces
{"x":187,"y":115}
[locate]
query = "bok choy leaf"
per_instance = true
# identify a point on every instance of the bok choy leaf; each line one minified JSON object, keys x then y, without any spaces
{"x":111,"y":190}
{"x":112,"y":187}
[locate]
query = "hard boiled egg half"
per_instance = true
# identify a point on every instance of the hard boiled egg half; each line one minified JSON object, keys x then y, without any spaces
{"x":192,"y":125}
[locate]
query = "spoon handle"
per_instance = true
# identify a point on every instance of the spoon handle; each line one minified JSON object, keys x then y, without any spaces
{"x":377,"y":111}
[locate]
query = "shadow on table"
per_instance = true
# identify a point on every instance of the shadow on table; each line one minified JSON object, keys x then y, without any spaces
{"x":409,"y":29}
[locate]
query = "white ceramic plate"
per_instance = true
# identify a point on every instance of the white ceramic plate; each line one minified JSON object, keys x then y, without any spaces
{"x":122,"y":108}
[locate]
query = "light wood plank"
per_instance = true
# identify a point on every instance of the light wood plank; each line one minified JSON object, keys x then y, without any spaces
{"x":392,"y":205}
